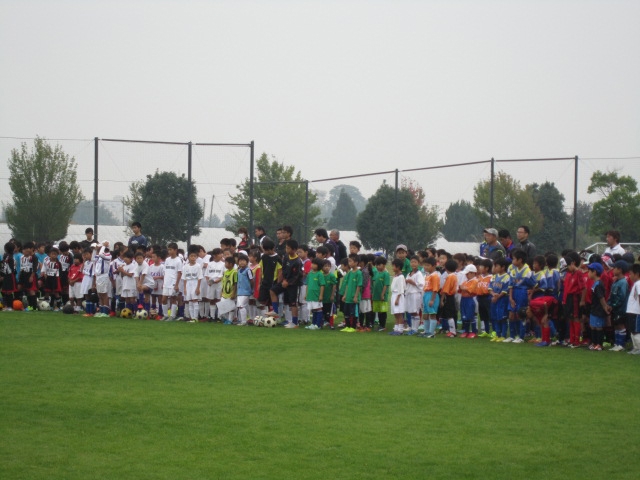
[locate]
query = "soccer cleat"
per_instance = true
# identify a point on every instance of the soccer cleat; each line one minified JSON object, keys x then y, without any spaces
{"x":484,"y":335}
{"x":451,"y":335}
{"x":507,"y":340}
{"x":597,"y":348}
{"x":291,"y":325}
{"x":382,"y":329}
{"x":605,"y":344}
{"x":431,"y":335}
{"x":410,"y":332}
{"x":518,"y":340}
{"x":542,"y":344}
{"x":342,"y":325}
{"x":635,"y":351}
{"x":395,"y":333}
{"x":616,"y":348}
{"x":312,"y":327}
{"x":464,"y":335}
{"x":472,"y":335}
{"x":500,"y":339}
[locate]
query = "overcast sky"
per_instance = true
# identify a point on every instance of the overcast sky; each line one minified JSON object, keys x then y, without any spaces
{"x":334,"y":87}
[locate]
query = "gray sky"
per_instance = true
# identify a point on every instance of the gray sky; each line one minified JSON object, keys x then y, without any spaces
{"x":334,"y":87}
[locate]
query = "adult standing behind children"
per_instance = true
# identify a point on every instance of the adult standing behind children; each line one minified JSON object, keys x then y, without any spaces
{"x":525,"y":245}
{"x":322,"y":237}
{"x":87,"y":242}
{"x":341,"y":251}
{"x":491,"y":248}
{"x":137,"y":239}
{"x":613,"y":244}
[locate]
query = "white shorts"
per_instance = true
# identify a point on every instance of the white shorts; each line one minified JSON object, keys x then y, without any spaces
{"x":204,"y":289}
{"x":365,"y":305}
{"x":242,"y":301}
{"x":413,"y":302}
{"x":103,"y":282}
{"x":87,"y":284}
{"x":215,"y":291}
{"x":314,"y":305}
{"x":397,"y":308}
{"x":129,"y":293}
{"x":226,"y":305}
{"x":75,"y":290}
{"x":190,"y":292}
{"x":168,"y":291}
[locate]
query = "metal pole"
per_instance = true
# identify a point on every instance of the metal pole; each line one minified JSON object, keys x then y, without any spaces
{"x":575,"y":204}
{"x":306,"y":212}
{"x":190,"y":145}
{"x":251,"y":195}
{"x":95,"y":188}
{"x":396,"y":210}
{"x":493,"y":176}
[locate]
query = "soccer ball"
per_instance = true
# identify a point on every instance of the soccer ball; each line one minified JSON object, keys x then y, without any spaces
{"x":44,"y":305}
{"x":18,"y":305}
{"x":142,"y":314}
{"x":126,"y":313}
{"x":68,"y":308}
{"x":258,"y":321}
{"x":270,"y":322}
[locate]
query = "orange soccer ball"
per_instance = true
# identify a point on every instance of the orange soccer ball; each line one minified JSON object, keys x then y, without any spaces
{"x":17,"y":305}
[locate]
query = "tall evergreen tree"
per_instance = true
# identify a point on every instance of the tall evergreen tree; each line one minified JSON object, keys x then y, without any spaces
{"x":555,"y":234}
{"x":344,"y":215}
{"x":461,"y":223}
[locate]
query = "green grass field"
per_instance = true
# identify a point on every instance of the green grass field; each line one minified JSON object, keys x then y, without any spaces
{"x":111,"y":398}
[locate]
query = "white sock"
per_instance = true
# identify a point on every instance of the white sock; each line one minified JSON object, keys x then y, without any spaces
{"x":636,"y":341}
{"x":242,"y":315}
{"x":174,"y":310}
{"x":415,"y":323}
{"x":452,"y":326}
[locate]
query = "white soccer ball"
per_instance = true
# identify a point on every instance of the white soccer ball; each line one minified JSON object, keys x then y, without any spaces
{"x":258,"y":321}
{"x":44,"y":305}
{"x":270,"y":322}
{"x":142,"y":314}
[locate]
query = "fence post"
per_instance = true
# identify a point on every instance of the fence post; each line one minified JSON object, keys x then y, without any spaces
{"x":251,"y":195}
{"x":493,"y":176}
{"x":306,"y":212}
{"x":396,"y":210}
{"x":189,"y":206}
{"x":575,"y":204}
{"x":95,"y":188}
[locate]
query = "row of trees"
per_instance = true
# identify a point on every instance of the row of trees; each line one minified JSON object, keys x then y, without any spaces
{"x":45,"y":177}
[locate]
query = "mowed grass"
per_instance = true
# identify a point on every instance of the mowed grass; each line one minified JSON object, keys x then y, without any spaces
{"x":111,"y":398}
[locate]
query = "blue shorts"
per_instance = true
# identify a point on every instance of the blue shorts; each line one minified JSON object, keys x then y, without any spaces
{"x":521,"y":298}
{"x":596,"y":322}
{"x":467,"y":309}
{"x":426,"y":298}
{"x":499,"y":309}
{"x":637,"y":322}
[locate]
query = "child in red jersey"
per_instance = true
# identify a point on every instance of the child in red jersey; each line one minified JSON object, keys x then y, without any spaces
{"x":573,"y":288}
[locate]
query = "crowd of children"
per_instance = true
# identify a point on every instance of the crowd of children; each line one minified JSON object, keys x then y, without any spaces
{"x":575,"y":300}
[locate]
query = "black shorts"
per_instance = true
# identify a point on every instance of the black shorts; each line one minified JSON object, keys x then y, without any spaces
{"x":290,"y":293}
{"x":26,"y":284}
{"x":264,"y":295}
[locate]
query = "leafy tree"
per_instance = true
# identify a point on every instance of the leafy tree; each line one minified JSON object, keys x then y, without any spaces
{"x":555,"y":234}
{"x":45,"y":191}
{"x":513,"y":205}
{"x":275,"y":204}
{"x":328,"y":202}
{"x":344,"y":215}
{"x":84,"y":214}
{"x":618,"y":207}
{"x":417,"y":225}
{"x":160,"y":204}
{"x":461,"y":223}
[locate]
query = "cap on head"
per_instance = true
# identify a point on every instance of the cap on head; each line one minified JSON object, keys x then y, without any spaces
{"x":491,"y":231}
{"x":470,"y":269}
{"x":622,"y":265}
{"x":401,"y":247}
{"x":596,"y":267}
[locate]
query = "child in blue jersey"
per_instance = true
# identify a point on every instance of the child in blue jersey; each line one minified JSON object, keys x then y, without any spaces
{"x":499,"y":290}
{"x":521,"y":283}
{"x":554,"y":283}
{"x":245,"y":288}
{"x":618,"y":303}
